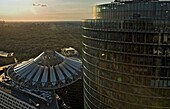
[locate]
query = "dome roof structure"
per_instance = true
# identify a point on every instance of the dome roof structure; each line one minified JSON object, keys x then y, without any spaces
{"x":49,"y":70}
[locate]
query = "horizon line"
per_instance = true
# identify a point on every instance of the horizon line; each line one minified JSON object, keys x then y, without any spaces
{"x":42,"y":20}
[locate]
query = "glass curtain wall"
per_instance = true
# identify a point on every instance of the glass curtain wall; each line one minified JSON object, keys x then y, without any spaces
{"x":126,"y":56}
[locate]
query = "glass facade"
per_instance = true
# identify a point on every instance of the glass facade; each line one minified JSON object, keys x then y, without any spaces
{"x":8,"y":101}
{"x":126,"y":56}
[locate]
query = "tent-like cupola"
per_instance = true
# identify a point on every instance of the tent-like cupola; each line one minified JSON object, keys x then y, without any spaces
{"x":49,"y":70}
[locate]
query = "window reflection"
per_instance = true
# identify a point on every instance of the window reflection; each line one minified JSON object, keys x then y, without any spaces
{"x":127,"y":56}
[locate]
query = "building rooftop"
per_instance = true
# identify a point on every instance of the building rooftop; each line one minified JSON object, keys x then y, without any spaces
{"x":49,"y":70}
{"x":5,"y":54}
{"x":69,"y":52}
{"x":130,"y":1}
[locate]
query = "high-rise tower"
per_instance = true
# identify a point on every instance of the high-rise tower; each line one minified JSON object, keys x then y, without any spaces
{"x":126,"y":55}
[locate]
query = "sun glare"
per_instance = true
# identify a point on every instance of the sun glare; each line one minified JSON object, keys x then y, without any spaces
{"x":45,"y":10}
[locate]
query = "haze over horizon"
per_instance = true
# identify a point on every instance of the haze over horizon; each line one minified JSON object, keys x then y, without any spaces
{"x":47,"y":10}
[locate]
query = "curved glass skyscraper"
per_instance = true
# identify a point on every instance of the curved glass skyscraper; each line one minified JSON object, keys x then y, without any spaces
{"x":126,"y":54}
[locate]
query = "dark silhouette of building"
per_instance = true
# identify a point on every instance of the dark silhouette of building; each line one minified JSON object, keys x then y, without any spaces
{"x":126,"y":55}
{"x":75,"y":95}
{"x":74,"y":92}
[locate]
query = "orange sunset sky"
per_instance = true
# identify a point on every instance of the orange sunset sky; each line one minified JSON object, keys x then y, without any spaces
{"x":47,"y":10}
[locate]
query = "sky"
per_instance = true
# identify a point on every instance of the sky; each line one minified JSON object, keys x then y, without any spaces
{"x":53,"y":10}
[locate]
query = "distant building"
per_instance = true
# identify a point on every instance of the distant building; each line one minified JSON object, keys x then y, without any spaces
{"x":126,"y":55}
{"x":6,"y":59}
{"x":5,"y":54}
{"x":69,"y":52}
{"x":2,"y":22}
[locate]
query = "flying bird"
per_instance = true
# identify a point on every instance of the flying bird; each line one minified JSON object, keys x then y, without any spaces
{"x":44,"y":5}
{"x":40,"y":5}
